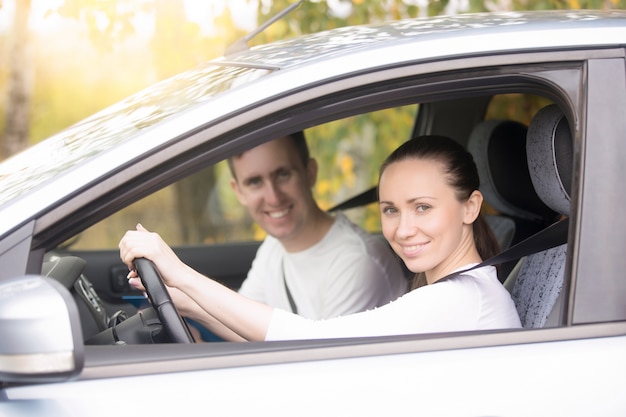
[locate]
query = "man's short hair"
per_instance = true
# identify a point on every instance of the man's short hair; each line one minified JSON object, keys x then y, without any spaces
{"x":298,"y":140}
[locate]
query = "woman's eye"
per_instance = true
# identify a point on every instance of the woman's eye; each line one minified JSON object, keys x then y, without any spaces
{"x":389,"y":210}
{"x":422,"y":207}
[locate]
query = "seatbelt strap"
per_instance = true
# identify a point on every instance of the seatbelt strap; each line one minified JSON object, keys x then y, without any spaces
{"x":366,"y":197}
{"x":548,"y":238}
{"x":292,"y":303}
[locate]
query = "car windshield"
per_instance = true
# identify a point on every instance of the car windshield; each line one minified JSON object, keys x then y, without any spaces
{"x":117,"y":123}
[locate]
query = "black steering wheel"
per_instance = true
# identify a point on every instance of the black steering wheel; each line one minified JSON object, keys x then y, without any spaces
{"x":161,"y":301}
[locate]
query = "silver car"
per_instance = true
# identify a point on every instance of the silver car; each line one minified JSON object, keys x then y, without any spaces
{"x":539,"y":98}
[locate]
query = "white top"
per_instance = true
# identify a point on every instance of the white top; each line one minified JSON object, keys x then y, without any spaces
{"x":474,"y":300}
{"x":348,"y":271}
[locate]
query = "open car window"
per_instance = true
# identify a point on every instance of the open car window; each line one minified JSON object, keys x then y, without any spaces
{"x":202,"y":209}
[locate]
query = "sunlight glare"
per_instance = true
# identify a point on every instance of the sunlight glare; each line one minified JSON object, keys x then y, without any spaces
{"x":202,"y":12}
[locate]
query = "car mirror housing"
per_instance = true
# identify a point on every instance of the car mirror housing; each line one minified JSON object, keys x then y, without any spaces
{"x":41,"y":333}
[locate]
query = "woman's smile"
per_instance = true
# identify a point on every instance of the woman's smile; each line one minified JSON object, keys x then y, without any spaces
{"x":410,"y":251}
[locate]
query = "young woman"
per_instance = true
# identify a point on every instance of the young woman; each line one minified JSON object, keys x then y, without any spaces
{"x":430,"y":215}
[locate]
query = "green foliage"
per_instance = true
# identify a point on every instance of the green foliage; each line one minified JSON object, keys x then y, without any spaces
{"x":67,"y":92}
{"x":316,"y":16}
{"x":349,"y":152}
{"x":107,"y":22}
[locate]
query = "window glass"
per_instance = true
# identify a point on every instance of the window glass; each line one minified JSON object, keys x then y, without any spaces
{"x":203,"y":209}
{"x":518,"y":107}
{"x":349,"y":152}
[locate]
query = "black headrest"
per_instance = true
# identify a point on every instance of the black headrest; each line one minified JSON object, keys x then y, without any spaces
{"x":499,"y":149}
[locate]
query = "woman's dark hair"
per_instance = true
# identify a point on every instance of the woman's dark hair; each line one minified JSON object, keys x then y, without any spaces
{"x":461,"y":174}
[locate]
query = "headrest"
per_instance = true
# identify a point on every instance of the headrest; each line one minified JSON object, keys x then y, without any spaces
{"x":550,"y":151}
{"x":499,"y":150}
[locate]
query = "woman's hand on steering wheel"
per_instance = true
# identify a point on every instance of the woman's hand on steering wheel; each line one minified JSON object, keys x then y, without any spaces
{"x":161,"y":301}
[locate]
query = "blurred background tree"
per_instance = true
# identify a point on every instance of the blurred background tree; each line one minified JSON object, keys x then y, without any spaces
{"x":18,"y":84}
{"x":67,"y":59}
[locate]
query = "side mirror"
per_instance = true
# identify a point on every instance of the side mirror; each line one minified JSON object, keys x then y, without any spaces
{"x":41,"y":338}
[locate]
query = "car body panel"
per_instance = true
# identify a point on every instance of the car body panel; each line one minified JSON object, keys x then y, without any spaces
{"x":493,"y":382}
{"x":599,"y":262}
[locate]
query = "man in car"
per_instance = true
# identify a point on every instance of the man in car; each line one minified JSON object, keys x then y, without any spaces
{"x":311,"y":263}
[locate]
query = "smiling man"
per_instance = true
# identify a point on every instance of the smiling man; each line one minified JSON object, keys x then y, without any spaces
{"x":317,"y":265}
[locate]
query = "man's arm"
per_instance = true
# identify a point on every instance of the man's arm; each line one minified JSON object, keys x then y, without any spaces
{"x":358,"y":284}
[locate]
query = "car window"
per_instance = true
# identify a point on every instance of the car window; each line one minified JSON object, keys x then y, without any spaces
{"x":203,"y":209}
{"x":517,"y":107}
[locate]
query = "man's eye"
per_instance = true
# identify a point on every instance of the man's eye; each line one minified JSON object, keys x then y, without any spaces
{"x":254,"y":182}
{"x":283,"y":175}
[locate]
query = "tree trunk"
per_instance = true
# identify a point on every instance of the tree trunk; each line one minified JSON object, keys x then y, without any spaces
{"x":172,"y":55}
{"x":20,"y":84}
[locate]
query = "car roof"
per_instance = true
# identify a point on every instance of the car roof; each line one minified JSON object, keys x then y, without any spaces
{"x":160,"y":114}
{"x":475,"y":31}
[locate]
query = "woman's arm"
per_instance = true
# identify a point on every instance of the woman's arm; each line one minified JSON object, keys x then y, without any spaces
{"x":221,"y":310}
{"x":227,"y":313}
{"x":187,"y":307}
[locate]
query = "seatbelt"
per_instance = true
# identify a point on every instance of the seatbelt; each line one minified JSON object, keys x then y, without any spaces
{"x":551,"y":236}
{"x":366,"y":197}
{"x":292,"y":303}
{"x":548,"y":238}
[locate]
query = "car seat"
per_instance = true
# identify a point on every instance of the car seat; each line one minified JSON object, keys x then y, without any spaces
{"x":499,"y":150}
{"x":537,"y":285}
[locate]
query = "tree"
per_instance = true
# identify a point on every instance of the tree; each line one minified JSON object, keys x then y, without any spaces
{"x":19,"y":85}
{"x":173,"y":53}
{"x":176,"y":45}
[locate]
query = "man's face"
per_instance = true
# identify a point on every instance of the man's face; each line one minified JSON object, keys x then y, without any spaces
{"x":275,"y":186}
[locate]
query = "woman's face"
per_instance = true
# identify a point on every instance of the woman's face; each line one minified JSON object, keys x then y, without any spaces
{"x":421,"y":217}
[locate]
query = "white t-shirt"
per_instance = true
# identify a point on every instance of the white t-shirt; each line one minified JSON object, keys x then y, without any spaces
{"x":348,"y":271}
{"x":474,"y":300}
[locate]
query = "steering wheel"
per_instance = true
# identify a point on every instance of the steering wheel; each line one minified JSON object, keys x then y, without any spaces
{"x":161,"y":300}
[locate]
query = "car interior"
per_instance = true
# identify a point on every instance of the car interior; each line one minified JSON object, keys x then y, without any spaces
{"x":539,"y":281}
{"x":518,"y":198}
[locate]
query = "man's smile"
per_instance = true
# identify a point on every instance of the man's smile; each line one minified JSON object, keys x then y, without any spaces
{"x":279,"y":214}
